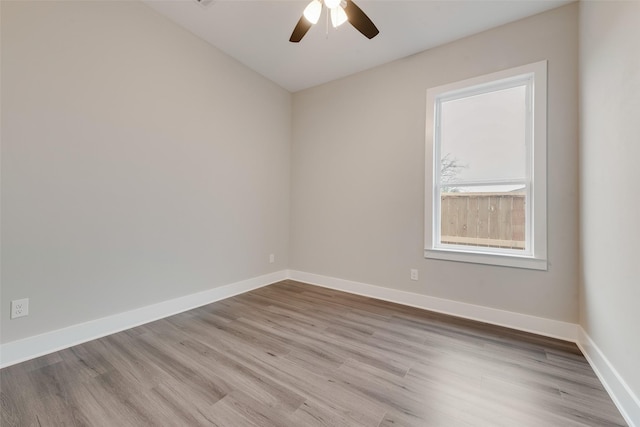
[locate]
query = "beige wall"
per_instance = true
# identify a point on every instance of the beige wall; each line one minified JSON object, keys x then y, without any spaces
{"x":139,"y":163}
{"x":610,"y":179}
{"x":358,"y":172}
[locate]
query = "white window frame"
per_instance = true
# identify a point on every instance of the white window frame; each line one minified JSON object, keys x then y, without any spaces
{"x":535,"y":254}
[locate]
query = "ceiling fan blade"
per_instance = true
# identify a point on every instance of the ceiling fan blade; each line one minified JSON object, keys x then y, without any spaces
{"x":300,"y":30}
{"x":360,"y":20}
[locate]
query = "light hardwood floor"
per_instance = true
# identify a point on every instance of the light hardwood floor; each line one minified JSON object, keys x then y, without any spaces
{"x":292,"y":354}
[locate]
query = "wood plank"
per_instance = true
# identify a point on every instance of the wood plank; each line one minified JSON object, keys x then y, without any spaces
{"x":292,"y":354}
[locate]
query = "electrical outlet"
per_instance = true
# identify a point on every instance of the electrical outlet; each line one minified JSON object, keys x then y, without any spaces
{"x":19,"y":308}
{"x":414,"y":274}
{"x":272,"y":258}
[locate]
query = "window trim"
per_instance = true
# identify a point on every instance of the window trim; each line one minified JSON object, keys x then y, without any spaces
{"x":536,"y":233}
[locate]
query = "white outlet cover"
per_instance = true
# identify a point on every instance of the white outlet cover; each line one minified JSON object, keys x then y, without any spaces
{"x":19,"y":308}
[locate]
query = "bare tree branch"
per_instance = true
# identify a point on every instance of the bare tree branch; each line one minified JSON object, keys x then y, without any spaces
{"x":450,"y":168}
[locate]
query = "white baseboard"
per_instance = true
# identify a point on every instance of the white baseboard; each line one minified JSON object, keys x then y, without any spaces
{"x":28,"y":348}
{"x":523,"y":322}
{"x":625,"y":399}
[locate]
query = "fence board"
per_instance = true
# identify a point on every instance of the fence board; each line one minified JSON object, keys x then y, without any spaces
{"x":472,"y":217}
{"x":483,"y":219}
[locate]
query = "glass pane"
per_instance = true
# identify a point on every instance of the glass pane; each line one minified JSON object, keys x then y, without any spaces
{"x":490,"y":216}
{"x":483,"y":137}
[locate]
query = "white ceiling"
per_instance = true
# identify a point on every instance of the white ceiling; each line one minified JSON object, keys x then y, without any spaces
{"x":257,"y":32}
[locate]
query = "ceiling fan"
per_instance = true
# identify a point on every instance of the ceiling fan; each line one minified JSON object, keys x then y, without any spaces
{"x":341,"y":11}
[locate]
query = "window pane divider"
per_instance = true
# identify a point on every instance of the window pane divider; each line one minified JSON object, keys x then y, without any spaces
{"x":484,"y":183}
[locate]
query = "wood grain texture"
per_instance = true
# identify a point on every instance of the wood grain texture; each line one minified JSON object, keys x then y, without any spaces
{"x":292,"y":354}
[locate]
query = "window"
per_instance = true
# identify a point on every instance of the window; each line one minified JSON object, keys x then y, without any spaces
{"x":486,"y":169}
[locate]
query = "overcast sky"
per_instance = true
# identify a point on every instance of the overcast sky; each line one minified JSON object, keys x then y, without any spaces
{"x":486,"y":133}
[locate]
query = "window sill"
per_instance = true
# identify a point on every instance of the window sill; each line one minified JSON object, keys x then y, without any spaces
{"x":487,"y":258}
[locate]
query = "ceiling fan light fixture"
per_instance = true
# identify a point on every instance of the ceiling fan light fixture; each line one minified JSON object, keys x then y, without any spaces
{"x":341,"y":11}
{"x":332,"y":4}
{"x":312,"y":11}
{"x":338,"y":16}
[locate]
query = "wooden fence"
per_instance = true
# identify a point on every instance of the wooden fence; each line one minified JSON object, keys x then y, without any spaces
{"x":484,"y":219}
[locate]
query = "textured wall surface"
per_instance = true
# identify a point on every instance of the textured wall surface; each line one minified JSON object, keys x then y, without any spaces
{"x":609,"y":177}
{"x":358,"y":172}
{"x":139,"y":164}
